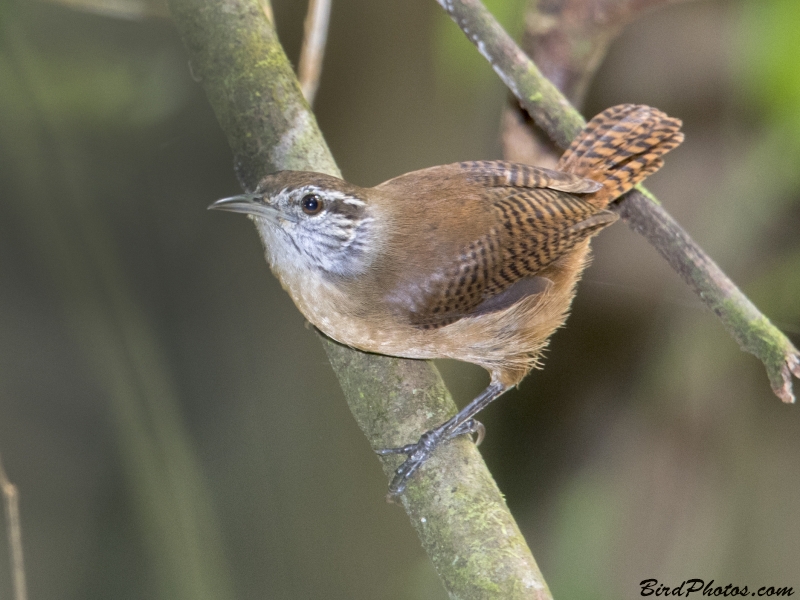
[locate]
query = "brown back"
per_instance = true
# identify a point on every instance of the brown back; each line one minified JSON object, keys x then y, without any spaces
{"x":513,"y":221}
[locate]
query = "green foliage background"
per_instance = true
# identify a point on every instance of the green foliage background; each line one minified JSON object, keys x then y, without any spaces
{"x":176,"y":432}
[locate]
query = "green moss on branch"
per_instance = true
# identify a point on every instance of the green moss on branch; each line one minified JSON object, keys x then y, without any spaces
{"x":452,"y":501}
{"x":640,"y":209}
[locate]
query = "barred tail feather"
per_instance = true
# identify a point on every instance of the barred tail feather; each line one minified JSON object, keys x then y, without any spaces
{"x":621,"y":147}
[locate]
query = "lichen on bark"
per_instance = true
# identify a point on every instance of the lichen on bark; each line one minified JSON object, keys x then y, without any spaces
{"x":453,"y":503}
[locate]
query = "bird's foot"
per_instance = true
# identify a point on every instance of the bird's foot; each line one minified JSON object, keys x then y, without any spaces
{"x":419,"y":452}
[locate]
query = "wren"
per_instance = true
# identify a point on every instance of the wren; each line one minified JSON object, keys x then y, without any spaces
{"x":475,"y":261}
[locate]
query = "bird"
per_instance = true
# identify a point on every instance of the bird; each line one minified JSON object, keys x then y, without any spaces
{"x":475,"y":261}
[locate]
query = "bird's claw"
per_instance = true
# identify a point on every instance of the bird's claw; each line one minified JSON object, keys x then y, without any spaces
{"x":470,"y":427}
{"x":419,"y":452}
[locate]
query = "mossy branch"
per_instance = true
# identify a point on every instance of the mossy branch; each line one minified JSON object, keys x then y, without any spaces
{"x":556,"y":116}
{"x":452,"y":501}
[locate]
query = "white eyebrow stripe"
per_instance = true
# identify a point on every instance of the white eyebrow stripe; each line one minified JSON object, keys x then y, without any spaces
{"x":309,"y":189}
{"x":334,"y":194}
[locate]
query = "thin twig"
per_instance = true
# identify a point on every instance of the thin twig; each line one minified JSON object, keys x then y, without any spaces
{"x":11,"y":497}
{"x":554,"y":113}
{"x":313,"y":51}
{"x":266,"y":7}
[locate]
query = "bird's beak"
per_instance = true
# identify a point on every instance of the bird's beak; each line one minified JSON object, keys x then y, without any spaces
{"x":255,"y":205}
{"x":250,"y":204}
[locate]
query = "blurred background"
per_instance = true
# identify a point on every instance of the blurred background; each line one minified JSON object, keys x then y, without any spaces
{"x":175,"y":430}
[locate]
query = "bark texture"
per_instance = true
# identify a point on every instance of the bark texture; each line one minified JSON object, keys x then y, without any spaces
{"x":453,"y":503}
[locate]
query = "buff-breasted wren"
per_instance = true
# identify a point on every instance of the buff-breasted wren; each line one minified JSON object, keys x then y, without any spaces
{"x":475,"y":261}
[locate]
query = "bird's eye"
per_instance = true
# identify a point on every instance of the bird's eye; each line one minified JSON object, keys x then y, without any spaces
{"x":311,"y":204}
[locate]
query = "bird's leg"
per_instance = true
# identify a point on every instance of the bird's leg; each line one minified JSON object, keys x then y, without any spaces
{"x":460,"y":424}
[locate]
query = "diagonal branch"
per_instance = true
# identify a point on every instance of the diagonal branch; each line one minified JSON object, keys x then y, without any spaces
{"x":554,"y":113}
{"x":453,"y":503}
{"x":569,"y":38}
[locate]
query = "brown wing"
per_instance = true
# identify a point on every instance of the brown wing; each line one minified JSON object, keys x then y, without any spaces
{"x":541,"y":226}
{"x":495,"y":174}
{"x":534,"y":224}
{"x":504,"y":175}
